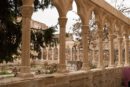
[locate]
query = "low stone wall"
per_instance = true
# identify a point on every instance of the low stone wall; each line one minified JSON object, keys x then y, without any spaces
{"x":110,"y":77}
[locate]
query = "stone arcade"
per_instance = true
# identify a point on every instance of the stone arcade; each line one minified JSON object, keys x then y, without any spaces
{"x":110,"y":76}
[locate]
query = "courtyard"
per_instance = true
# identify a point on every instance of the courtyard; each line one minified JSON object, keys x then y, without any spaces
{"x":98,"y":57}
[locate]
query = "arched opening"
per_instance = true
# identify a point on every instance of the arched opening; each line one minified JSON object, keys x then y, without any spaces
{"x":93,"y":41}
{"x":73,"y":40}
{"x":106,"y":44}
{"x":45,"y":40}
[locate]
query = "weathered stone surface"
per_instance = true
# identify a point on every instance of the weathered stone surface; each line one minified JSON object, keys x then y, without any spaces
{"x":111,"y":77}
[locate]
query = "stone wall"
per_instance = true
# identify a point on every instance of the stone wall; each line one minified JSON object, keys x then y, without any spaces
{"x":110,"y":77}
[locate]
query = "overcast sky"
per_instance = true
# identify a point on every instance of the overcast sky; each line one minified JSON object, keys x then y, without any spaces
{"x":50,"y":16}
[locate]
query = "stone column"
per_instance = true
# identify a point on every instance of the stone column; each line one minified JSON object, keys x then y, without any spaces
{"x":78,"y":54}
{"x":85,"y":29}
{"x":41,"y":53}
{"x":120,"y":57}
{"x":100,"y":59}
{"x":47,"y":53}
{"x":111,"y":50}
{"x":26,"y":11}
{"x":127,"y":60}
{"x":62,"y":58}
{"x":93,"y":56}
{"x":71,"y":53}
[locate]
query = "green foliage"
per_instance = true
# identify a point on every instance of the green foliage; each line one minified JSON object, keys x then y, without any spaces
{"x":48,"y":35}
{"x":42,"y":38}
{"x":4,"y":73}
{"x":10,"y":33}
{"x":41,"y":4}
{"x":10,"y":30}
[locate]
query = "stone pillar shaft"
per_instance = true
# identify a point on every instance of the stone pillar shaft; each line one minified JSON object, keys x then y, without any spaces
{"x":71,"y":53}
{"x":100,"y":59}
{"x":127,"y":60}
{"x":25,"y":45}
{"x":93,"y":57}
{"x":62,"y":57}
{"x":26,"y":19}
{"x":120,"y":57}
{"x":111,"y":51}
{"x":85,"y":29}
{"x":78,"y":53}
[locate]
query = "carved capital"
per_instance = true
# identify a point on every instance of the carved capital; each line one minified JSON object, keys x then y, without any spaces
{"x":100,"y":25}
{"x":63,"y":6}
{"x":120,"y":39}
{"x":111,"y":36}
{"x":27,"y":2}
{"x":100,"y":33}
{"x":85,"y":29}
{"x":26,"y":11}
{"x":126,"y":35}
{"x":62,"y":22}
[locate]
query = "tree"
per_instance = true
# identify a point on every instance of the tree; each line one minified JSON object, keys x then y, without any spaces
{"x":43,"y":38}
{"x":10,"y":32}
{"x":10,"y":29}
{"x":121,"y":6}
{"x":76,"y":27}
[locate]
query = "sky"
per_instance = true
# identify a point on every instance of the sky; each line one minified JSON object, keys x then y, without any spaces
{"x":126,"y":2}
{"x":50,"y":16}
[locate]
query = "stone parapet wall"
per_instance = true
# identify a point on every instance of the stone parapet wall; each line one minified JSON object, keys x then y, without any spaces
{"x":110,"y":77}
{"x":111,"y":10}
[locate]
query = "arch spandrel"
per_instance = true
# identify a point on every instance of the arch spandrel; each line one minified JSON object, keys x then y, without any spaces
{"x":63,"y":6}
{"x":27,"y":2}
{"x":129,"y":30}
{"x":84,"y":10}
{"x":100,"y":16}
{"x":126,"y":29}
{"x":112,"y":22}
{"x":118,"y":28}
{"x":122,"y":29}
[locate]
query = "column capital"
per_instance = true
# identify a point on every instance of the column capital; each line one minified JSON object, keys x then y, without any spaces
{"x":111,"y":36}
{"x":126,"y":35}
{"x":120,"y":38}
{"x":27,"y":2}
{"x":100,"y":33}
{"x":100,"y":25}
{"x":85,"y":25}
{"x":62,"y":21}
{"x":85,"y":29}
{"x":62,"y":18}
{"x":62,"y":57}
{"x":27,"y":11}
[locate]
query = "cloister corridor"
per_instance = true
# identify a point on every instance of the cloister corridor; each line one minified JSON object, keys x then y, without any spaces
{"x":112,"y":38}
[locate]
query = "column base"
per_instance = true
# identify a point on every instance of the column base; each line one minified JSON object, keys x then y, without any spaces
{"x":127,"y":65}
{"x":120,"y":65}
{"x":62,"y":68}
{"x":101,"y":67}
{"x":111,"y":66}
{"x":25,"y":72}
{"x":85,"y":67}
{"x":25,"y":75}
